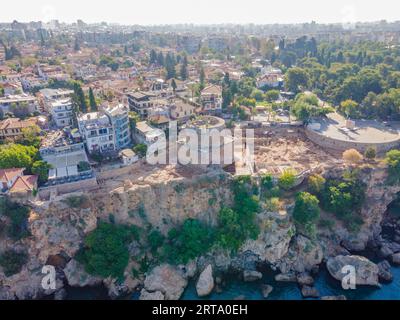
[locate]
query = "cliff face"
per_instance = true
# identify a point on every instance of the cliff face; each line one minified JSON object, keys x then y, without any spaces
{"x":164,"y":205}
{"x":58,"y":229}
{"x":379,"y":195}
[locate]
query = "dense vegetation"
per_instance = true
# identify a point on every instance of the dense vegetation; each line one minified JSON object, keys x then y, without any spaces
{"x":12,"y":261}
{"x":393,"y":162}
{"x":343,"y":197}
{"x":105,"y":252}
{"x":306,"y":211}
{"x":18,"y":215}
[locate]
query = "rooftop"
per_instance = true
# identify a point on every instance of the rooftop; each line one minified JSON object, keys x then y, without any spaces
{"x":364,"y":131}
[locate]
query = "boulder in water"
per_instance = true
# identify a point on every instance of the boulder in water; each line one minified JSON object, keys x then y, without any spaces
{"x":205,"y":283}
{"x":366,"y":272}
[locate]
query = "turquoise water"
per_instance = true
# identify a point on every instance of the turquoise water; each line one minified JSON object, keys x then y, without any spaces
{"x":326,"y":285}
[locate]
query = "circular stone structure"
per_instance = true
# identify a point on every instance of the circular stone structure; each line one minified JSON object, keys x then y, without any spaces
{"x":336,"y":133}
{"x":206,"y":123}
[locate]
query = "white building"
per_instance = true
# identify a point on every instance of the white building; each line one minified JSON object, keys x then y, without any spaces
{"x":107,"y":130}
{"x":8,"y":103}
{"x":146,"y":134}
{"x":211,"y":99}
{"x":97,"y":131}
{"x":62,"y":112}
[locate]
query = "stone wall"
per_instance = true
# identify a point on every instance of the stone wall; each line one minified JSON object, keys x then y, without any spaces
{"x":86,"y":185}
{"x":341,"y":145}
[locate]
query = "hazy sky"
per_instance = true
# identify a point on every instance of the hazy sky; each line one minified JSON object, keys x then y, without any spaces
{"x":201,"y":11}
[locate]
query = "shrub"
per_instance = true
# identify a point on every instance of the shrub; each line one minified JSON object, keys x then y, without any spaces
{"x":191,"y":240}
{"x":105,"y":251}
{"x":18,"y":229}
{"x":13,"y":261}
{"x":370,"y":153}
{"x":343,"y":197}
{"x":393,"y":162}
{"x":316,"y":183}
{"x":306,"y":209}
{"x":327,"y":224}
{"x":76,"y":201}
{"x":83,"y":166}
{"x":272,"y":205}
{"x":352,"y":155}
{"x":267,"y":181}
{"x":287,"y":179}
{"x":140,"y":149}
{"x":156,"y":240}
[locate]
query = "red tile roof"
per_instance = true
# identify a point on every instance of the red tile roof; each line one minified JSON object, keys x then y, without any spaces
{"x":9,"y":174}
{"x":24,"y":184}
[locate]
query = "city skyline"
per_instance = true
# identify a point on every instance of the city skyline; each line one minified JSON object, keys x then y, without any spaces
{"x":204,"y":12}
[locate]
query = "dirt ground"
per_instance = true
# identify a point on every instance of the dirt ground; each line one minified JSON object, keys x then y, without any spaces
{"x":279,"y":149}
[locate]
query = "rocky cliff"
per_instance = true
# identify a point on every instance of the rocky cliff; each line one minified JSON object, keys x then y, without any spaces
{"x":58,"y":229}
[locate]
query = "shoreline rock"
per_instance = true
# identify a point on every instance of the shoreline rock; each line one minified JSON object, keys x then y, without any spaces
{"x":366,"y":272}
{"x":205,"y":283}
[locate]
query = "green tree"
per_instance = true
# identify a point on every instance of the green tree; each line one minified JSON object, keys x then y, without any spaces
{"x":92,"y":101}
{"x":316,"y":183}
{"x":30,"y":136}
{"x":79,"y":99}
{"x":173,"y":85}
{"x":17,"y":156}
{"x":393,"y":162}
{"x":296,"y":79}
{"x":287,"y":179}
{"x":183,"y":70}
{"x":272,"y":95}
{"x":306,"y":210}
{"x":140,"y":149}
{"x":350,"y":109}
{"x":105,"y":251}
{"x":188,"y":242}
{"x":202,"y":78}
{"x":155,"y":239}
{"x":12,"y":261}
{"x":41,"y":168}
{"x":370,"y":153}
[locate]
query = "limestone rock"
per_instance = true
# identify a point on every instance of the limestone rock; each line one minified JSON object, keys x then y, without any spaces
{"x":251,"y":275}
{"x":274,"y":238}
{"x":305,"y":279}
{"x":266,"y":290}
{"x":286,"y":277}
{"x":205,"y":283}
{"x":166,"y":279}
{"x":366,"y":271}
{"x":396,"y":258}
{"x":77,"y":276}
{"x":385,"y":274}
{"x":145,"y":295}
{"x":303,"y":255}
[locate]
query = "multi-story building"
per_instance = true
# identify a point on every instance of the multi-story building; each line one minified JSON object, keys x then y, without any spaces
{"x":8,"y":103}
{"x":181,"y":111}
{"x":211,"y":99}
{"x":119,"y":117}
{"x":146,"y":134}
{"x":141,"y":102}
{"x":97,"y":131}
{"x":49,"y":95}
{"x":12,"y":128}
{"x":62,"y":112}
{"x":106,"y":131}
